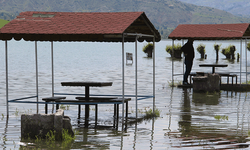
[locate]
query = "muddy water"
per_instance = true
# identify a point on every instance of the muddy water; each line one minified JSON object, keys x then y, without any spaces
{"x":187,"y":120}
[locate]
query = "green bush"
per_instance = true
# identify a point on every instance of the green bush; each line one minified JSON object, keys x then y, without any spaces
{"x":169,"y":48}
{"x":229,"y":51}
{"x":217,"y":47}
{"x":148,"y":49}
{"x":248,"y":46}
{"x":201,"y":48}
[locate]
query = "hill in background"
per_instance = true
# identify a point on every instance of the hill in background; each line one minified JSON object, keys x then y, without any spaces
{"x":164,"y":14}
{"x":236,"y":7}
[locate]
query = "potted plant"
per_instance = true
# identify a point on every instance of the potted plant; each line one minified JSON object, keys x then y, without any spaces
{"x":217,"y":49}
{"x":201,"y":49}
{"x":148,"y":49}
{"x":177,"y":50}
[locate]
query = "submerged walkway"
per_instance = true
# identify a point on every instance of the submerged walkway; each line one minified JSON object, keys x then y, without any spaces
{"x":225,"y":87}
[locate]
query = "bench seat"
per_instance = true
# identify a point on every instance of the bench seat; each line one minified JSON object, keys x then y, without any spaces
{"x":96,"y":98}
{"x":229,"y":75}
{"x":95,"y":101}
{"x":47,"y":99}
{"x":92,"y":101}
{"x":51,"y":99}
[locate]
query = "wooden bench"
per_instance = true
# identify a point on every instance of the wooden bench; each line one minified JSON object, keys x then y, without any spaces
{"x":52,"y":99}
{"x":93,"y":101}
{"x":229,"y":75}
{"x":97,"y":98}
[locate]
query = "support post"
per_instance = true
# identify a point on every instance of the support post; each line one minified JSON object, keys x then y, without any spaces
{"x":136,"y":85}
{"x":7,"y":78}
{"x":172,"y":62}
{"x":123,"y":81}
{"x":240,"y":58}
{"x":37,"y":108}
{"x":154,"y":74}
{"x":183,"y":62}
{"x":52,"y":67}
{"x":246,"y":59}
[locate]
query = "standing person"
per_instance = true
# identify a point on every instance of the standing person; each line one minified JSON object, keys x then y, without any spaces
{"x":188,"y":50}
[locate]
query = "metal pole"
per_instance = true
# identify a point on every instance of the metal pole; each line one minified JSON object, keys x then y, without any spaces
{"x":123,"y":81}
{"x":172,"y":62}
{"x":246,"y":59}
{"x":7,"y":79}
{"x":136,"y":85}
{"x":240,"y":58}
{"x":183,"y":62}
{"x":52,"y":67}
{"x":154,"y":74}
{"x":37,"y":108}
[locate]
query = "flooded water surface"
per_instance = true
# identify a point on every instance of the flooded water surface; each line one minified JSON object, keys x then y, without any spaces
{"x":187,"y":120}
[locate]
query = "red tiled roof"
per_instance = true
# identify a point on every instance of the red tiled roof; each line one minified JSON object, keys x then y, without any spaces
{"x":71,"y":23}
{"x":210,"y":31}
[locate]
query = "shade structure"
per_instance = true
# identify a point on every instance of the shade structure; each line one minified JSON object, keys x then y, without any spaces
{"x":211,"y":31}
{"x":79,"y":26}
{"x":239,"y":31}
{"x":76,"y":26}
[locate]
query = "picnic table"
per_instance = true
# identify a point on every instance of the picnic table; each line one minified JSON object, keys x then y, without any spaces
{"x":213,"y":66}
{"x":86,"y":85}
{"x":87,"y":100}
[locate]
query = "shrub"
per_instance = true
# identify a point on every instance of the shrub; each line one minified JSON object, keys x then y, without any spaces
{"x":248,"y":46}
{"x":217,"y":47}
{"x":201,"y":48}
{"x":148,"y":49}
{"x":170,"y":47}
{"x":229,"y":51}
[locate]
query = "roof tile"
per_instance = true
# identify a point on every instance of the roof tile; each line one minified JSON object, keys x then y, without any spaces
{"x":209,"y":31}
{"x":72,"y":23}
{"x":77,"y":26}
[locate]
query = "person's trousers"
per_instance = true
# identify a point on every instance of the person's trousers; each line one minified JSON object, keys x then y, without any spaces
{"x":189,"y":64}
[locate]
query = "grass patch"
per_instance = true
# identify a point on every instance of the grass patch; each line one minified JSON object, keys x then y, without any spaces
{"x":51,"y":142}
{"x":2,"y":117}
{"x":174,"y":84}
{"x":63,"y":107}
{"x":3,"y":22}
{"x":218,"y":117}
{"x":150,"y":113}
{"x":248,"y":82}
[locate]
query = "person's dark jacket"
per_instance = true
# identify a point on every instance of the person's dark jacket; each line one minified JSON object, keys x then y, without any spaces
{"x":188,"y":50}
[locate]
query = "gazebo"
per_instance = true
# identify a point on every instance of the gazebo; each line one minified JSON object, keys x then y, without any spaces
{"x":240,"y":31}
{"x":79,"y":26}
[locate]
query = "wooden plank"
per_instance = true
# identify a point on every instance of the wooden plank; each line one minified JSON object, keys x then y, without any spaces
{"x":53,"y":98}
{"x":96,"y":98}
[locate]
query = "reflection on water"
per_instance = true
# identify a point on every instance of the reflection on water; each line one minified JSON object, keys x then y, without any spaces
{"x":207,"y":99}
{"x":185,"y":114}
{"x":187,"y":120}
